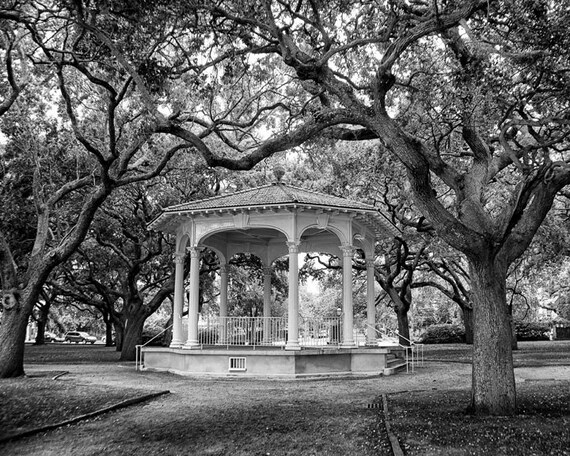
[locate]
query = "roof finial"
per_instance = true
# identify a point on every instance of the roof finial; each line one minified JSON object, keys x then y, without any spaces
{"x":278,"y":172}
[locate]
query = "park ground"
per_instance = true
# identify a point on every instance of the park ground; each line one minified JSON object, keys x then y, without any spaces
{"x":276,"y":417}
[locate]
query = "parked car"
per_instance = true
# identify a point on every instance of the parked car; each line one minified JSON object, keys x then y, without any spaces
{"x":80,"y":336}
{"x":51,"y":337}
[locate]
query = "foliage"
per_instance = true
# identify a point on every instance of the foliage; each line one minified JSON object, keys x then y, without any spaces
{"x":443,"y":334}
{"x":153,"y":335}
{"x":562,"y":306}
{"x":74,"y":138}
{"x":245,"y":286}
{"x":432,"y":308}
{"x":454,"y":333}
{"x":531,"y":330}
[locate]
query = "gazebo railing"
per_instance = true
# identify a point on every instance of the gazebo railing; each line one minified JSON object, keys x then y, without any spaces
{"x":252,"y":331}
{"x":317,"y":332}
{"x":268,"y":331}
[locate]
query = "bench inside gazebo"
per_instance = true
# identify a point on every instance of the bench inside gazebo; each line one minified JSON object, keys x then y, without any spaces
{"x":272,"y":221}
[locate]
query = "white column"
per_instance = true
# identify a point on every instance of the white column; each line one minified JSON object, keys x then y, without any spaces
{"x":371,"y":338}
{"x":266,"y":304}
{"x":223,"y":302}
{"x":293,"y":307}
{"x":348,"y":338}
{"x":192,"y":341}
{"x":177,"y":341}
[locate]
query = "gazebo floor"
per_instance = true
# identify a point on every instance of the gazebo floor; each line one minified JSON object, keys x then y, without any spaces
{"x":272,"y":362}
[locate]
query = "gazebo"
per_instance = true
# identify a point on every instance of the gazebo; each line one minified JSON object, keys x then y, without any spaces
{"x":270,"y":221}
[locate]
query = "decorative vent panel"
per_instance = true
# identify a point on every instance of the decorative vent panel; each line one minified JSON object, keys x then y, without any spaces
{"x":237,"y":364}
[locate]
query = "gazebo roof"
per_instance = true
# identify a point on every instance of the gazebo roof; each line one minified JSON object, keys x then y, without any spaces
{"x":276,"y":195}
{"x":270,"y":195}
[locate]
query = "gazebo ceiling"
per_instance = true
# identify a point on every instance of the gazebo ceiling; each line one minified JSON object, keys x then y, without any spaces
{"x":271,"y":198}
{"x":266,"y":237}
{"x":260,"y":236}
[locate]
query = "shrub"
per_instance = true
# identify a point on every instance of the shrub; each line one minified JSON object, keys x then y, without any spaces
{"x":151,"y":331}
{"x":443,"y":334}
{"x":531,"y":330}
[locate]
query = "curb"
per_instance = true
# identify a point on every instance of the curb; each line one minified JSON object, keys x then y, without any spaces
{"x":396,"y":449}
{"x":49,"y":427}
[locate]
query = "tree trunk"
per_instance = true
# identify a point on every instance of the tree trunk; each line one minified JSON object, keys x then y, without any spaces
{"x":168,"y":330}
{"x":514,"y":340}
{"x":40,"y":336}
{"x":403,"y":326}
{"x":401,"y":308}
{"x":493,"y":389}
{"x":132,"y":336}
{"x":118,"y":336}
{"x":13,"y":335}
{"x":467,"y":313}
{"x":109,"y":342}
{"x":42,"y":323}
{"x":107,"y":319}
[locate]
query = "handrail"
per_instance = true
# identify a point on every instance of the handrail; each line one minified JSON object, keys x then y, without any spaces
{"x":138,"y":348}
{"x":405,"y":347}
{"x":409,"y":349}
{"x":413,"y":344}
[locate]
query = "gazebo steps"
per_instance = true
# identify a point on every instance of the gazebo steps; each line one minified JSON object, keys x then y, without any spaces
{"x":394,"y":364}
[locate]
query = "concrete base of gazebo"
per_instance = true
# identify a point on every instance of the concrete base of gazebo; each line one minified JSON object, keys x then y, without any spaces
{"x":271,"y":362}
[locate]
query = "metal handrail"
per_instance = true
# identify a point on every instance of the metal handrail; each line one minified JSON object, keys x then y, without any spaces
{"x":413,"y":344}
{"x":409,"y":349}
{"x":138,"y":348}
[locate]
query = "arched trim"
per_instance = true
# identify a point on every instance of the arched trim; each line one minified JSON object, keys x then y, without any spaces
{"x":365,"y":244}
{"x":218,"y":252}
{"x":206,"y":234}
{"x":182,"y":243}
{"x":342,"y":237}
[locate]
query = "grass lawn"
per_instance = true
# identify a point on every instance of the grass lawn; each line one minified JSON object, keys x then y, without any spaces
{"x":39,"y":401}
{"x":255,"y":417}
{"x":434,"y":423}
{"x":541,"y":353}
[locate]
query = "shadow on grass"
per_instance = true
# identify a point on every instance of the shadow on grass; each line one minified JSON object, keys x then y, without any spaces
{"x":435,"y":423}
{"x":38,"y":401}
{"x":426,"y":422}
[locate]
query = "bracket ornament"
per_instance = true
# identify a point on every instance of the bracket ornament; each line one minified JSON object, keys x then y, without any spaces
{"x":293,"y":246}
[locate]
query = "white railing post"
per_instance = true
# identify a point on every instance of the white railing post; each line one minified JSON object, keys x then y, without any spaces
{"x":139,"y":352}
{"x":409,"y":349}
